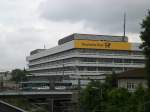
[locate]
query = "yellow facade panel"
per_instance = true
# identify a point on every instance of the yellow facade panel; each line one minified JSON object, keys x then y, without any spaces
{"x":95,"y":44}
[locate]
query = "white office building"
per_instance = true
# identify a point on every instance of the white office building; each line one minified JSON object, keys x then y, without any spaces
{"x":85,"y":57}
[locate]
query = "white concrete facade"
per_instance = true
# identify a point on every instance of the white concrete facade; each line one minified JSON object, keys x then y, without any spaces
{"x":66,"y":59}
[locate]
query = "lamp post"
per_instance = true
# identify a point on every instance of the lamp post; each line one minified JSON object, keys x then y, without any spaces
{"x":101,"y":96}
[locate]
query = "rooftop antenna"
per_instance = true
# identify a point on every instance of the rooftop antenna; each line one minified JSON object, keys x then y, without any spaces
{"x":124,"y":27}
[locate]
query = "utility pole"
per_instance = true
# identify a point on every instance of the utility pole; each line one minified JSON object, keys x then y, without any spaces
{"x":124,"y":27}
{"x":63,"y":68}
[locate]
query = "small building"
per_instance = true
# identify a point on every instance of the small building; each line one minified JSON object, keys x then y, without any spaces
{"x":132,"y":79}
{"x":4,"y":75}
{"x":5,"y":82}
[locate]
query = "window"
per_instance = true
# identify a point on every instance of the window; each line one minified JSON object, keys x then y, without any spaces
{"x":127,"y":60}
{"x":81,"y":68}
{"x":131,"y":86}
{"x":91,"y":68}
{"x":105,"y":69}
{"x":118,"y":60}
{"x":88,"y":59}
{"x":137,"y":53}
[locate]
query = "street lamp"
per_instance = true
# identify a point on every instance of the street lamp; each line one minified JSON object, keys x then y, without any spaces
{"x":101,"y":96}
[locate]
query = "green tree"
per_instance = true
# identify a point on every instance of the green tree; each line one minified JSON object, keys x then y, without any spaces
{"x":118,"y":99}
{"x":91,"y":97}
{"x":136,"y":100}
{"x":18,"y":75}
{"x":145,"y":36}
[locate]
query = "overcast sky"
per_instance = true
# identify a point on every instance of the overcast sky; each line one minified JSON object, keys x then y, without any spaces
{"x":26,"y":25}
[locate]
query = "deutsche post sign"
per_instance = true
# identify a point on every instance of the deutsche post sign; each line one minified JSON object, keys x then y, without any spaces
{"x":95,"y":44}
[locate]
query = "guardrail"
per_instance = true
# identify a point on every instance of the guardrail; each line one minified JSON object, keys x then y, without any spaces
{"x":6,"y":107}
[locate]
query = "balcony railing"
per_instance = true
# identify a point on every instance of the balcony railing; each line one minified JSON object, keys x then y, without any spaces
{"x":97,"y":55}
{"x":97,"y":64}
{"x":91,"y":73}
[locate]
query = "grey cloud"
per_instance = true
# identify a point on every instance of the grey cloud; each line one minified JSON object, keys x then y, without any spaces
{"x":18,"y":32}
{"x":22,"y":30}
{"x":15,"y":46}
{"x":99,"y":14}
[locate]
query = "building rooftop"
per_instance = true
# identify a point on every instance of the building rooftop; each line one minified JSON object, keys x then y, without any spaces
{"x":78,"y":36}
{"x":132,"y":74}
{"x":3,"y":70}
{"x":36,"y":51}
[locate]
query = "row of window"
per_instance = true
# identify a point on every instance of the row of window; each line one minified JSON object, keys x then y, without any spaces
{"x":84,"y":69}
{"x":112,"y":60}
{"x":53,"y":56}
{"x":69,"y":52}
{"x":94,"y":60}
